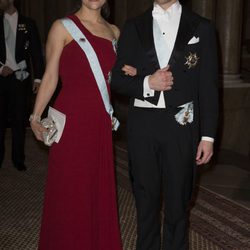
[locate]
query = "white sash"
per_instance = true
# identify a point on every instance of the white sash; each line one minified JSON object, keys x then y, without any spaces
{"x":85,"y":45}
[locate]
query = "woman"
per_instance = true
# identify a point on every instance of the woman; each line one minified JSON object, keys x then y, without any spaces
{"x":80,"y":211}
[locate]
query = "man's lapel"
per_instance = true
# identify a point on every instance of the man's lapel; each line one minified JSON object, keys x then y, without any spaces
{"x":19,"y":34}
{"x":2,"y":41}
{"x":188,"y":24}
{"x":145,"y":30}
{"x":144,"y":27}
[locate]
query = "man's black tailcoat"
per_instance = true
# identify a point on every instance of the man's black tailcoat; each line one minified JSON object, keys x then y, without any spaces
{"x":161,"y":151}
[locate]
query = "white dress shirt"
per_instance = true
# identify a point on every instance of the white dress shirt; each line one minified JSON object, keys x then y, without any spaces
{"x":165,"y":28}
{"x":10,"y":55}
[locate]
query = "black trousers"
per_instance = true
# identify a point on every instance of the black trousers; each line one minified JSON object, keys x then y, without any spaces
{"x":161,"y":159}
{"x":13,"y":106}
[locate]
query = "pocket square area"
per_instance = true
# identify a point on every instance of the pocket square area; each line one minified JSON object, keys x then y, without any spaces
{"x":194,"y":40}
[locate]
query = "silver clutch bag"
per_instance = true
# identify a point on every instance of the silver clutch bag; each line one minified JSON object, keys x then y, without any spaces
{"x":50,"y":135}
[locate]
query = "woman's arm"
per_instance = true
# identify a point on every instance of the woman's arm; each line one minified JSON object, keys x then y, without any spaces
{"x":129,"y":70}
{"x":57,"y":39}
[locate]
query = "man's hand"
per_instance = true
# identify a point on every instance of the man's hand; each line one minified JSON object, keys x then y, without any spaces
{"x":6,"y":71}
{"x":204,"y":152}
{"x":161,"y":80}
{"x":35,"y":87}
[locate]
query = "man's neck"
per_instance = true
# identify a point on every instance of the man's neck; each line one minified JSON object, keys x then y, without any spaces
{"x":165,"y":6}
{"x":11,"y":10}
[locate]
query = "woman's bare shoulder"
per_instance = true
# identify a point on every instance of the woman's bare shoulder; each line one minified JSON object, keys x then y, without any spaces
{"x":115,"y":30}
{"x":58,"y":32}
{"x":57,"y":26}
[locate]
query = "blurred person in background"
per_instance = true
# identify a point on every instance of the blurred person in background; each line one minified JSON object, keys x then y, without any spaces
{"x":20,"y":54}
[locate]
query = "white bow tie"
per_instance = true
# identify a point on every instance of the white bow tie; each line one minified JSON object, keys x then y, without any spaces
{"x":158,"y":13}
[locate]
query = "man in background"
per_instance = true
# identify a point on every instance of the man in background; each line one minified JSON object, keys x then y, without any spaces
{"x":20,"y":55}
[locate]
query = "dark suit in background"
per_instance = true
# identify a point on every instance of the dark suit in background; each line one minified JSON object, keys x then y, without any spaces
{"x":161,"y":151}
{"x":14,"y":93}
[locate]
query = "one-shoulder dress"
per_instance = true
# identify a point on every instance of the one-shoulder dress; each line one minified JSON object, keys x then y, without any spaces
{"x":80,"y":209}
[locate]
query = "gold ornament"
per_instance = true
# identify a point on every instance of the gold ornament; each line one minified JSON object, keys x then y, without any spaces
{"x":192,"y":60}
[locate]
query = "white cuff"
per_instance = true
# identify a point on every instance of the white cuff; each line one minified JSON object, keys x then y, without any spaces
{"x":207,"y":138}
{"x":37,"y":80}
{"x":147,"y":91}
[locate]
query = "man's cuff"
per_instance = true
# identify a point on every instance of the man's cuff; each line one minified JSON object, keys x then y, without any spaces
{"x":37,"y":80}
{"x":207,"y":138}
{"x":147,"y":91}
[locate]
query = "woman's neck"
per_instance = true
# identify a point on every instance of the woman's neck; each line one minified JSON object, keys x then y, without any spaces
{"x":93,"y":16}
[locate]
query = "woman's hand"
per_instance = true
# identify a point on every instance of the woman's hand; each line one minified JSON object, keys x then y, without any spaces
{"x":129,"y":70}
{"x":37,"y":129}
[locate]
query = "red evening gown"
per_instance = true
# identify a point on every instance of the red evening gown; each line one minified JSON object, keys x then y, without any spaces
{"x":80,"y":210}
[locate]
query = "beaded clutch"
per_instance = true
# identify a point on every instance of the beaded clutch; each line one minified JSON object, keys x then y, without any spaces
{"x":50,"y":135}
{"x":54,"y":123}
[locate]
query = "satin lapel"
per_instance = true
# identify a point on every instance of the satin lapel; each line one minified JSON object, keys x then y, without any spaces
{"x":188,"y":24}
{"x":145,"y":30}
{"x":19,"y":35}
{"x":2,"y":41}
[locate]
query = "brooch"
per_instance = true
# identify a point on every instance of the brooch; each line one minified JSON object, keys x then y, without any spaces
{"x":109,"y":77}
{"x":114,"y":43}
{"x":192,"y":60}
{"x":26,"y":45}
{"x":22,"y":27}
{"x":186,"y":114}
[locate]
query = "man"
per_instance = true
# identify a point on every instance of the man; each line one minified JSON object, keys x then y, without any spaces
{"x":19,"y":45}
{"x":172,"y":117}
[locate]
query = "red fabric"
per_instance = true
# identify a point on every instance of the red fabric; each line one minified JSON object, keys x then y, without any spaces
{"x":80,"y":210}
